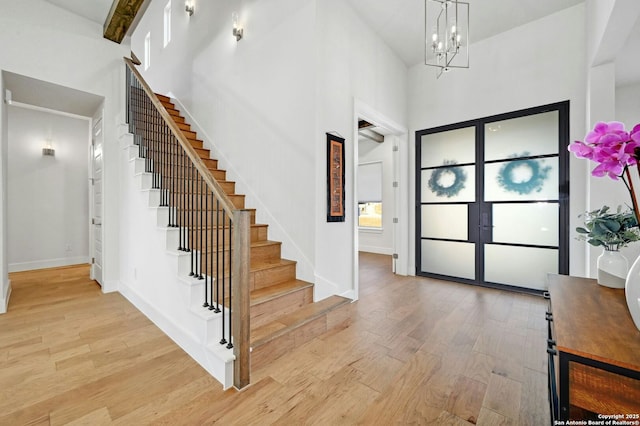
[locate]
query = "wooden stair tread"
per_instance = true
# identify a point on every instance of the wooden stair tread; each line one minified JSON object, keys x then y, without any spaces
{"x":268,"y":332}
{"x":254,"y":244}
{"x":272,"y":292}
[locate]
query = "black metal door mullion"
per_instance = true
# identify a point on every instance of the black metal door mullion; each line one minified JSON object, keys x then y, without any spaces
{"x":479,"y":204}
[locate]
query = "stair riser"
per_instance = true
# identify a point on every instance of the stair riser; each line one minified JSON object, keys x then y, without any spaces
{"x":207,"y":219}
{"x":271,"y":276}
{"x":202,"y":199}
{"x":258,"y":233}
{"x":171,"y":158}
{"x":269,"y":311}
{"x":174,"y":161}
{"x":260,"y":253}
{"x":331,"y":321}
{"x":265,"y":253}
{"x":174,"y":174}
{"x":151,"y":143}
{"x":196,"y":187}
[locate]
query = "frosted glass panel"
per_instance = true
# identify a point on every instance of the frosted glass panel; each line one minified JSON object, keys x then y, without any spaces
{"x":449,"y":184}
{"x":531,"y":223}
{"x":521,"y":180}
{"x":457,"y":146}
{"x":536,"y":134}
{"x":445,"y":221}
{"x":519,"y":266}
{"x":449,"y":258}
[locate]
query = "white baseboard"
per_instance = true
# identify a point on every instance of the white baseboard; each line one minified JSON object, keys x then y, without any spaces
{"x":47,"y":263}
{"x":110,"y":286}
{"x":378,"y":250}
{"x":4,"y":301}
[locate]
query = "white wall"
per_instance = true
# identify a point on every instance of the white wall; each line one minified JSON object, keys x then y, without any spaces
{"x":265,"y":103}
{"x":5,"y":283}
{"x":48,"y":212}
{"x":355,"y":68}
{"x":511,"y":71}
{"x":252,"y":101}
{"x":628,"y":105}
{"x":379,"y":240}
{"x":42,"y":41}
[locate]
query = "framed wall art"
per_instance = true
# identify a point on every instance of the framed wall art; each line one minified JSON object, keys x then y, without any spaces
{"x":335,"y":178}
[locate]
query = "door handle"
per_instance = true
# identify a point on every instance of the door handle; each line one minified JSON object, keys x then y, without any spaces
{"x":485,"y":223}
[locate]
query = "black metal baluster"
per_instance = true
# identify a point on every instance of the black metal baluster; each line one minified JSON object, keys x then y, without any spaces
{"x":128,"y":106}
{"x":230,"y":345}
{"x":207,"y":268}
{"x":163,"y":162}
{"x":173,"y":198}
{"x":181,"y":195}
{"x":190,"y":221}
{"x":201,"y":229}
{"x":217,"y":253}
{"x":224,"y":267}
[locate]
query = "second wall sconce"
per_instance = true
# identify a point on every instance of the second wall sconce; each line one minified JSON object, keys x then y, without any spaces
{"x":48,"y":148}
{"x":237,"y":30}
{"x":189,"y":6}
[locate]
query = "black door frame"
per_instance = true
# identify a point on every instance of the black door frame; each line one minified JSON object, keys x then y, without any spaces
{"x":474,"y":211}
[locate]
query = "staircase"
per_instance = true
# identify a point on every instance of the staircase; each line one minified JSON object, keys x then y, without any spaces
{"x":282,"y":312}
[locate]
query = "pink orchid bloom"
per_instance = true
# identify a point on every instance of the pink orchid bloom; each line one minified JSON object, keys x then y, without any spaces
{"x":581,"y":150}
{"x":609,"y":145}
{"x":606,"y":129}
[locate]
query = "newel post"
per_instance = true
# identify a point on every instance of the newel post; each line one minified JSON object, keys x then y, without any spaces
{"x":240,"y":297}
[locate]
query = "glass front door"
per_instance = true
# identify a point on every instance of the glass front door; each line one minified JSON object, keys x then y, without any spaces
{"x":492,"y":207}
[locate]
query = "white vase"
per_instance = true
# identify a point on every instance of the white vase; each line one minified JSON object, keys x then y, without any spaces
{"x":612,"y":269}
{"x":632,"y":292}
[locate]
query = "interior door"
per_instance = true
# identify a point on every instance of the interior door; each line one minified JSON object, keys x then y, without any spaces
{"x":493,"y":199}
{"x":97,"y":197}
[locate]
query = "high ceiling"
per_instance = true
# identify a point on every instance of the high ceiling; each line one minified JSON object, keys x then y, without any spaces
{"x":400,"y":23}
{"x":93,"y":10}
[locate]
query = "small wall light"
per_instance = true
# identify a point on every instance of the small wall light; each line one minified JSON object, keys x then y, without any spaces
{"x":189,"y":6}
{"x":48,"y":149}
{"x":237,"y":30}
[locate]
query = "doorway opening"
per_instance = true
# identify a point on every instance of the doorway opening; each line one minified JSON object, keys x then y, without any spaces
{"x":380,"y":207}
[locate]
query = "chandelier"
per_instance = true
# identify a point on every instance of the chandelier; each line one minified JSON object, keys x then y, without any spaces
{"x":446,"y":27}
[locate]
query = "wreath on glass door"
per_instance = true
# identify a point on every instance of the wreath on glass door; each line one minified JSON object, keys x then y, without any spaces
{"x":447,"y":181}
{"x":523,"y":176}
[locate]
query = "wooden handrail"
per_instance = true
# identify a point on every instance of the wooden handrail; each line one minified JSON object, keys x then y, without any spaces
{"x":211,"y":182}
{"x":239,"y":291}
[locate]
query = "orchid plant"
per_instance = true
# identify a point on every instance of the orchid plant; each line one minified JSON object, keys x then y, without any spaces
{"x":615,"y":150}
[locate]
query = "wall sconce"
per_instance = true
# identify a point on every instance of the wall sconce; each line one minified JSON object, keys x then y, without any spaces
{"x":237,"y":30}
{"x":48,"y":149}
{"x":189,"y":6}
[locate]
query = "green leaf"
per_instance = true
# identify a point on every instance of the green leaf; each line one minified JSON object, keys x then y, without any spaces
{"x":581,"y":230}
{"x":595,"y":243}
{"x":612,"y":225}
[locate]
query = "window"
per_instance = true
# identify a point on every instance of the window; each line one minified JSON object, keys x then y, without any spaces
{"x":147,"y":51}
{"x":167,"y":24}
{"x":370,"y":195}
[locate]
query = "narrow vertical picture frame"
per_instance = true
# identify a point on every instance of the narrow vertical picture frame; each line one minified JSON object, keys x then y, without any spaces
{"x":335,"y":178}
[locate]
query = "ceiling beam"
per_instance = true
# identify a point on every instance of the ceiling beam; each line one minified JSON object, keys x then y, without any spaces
{"x":121,"y":17}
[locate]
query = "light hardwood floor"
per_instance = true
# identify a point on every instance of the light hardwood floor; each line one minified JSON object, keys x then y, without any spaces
{"x":418,"y":351}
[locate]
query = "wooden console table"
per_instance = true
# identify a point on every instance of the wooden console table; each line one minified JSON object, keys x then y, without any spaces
{"x":594,"y":350}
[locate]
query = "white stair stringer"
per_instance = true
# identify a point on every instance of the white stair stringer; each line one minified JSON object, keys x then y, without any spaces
{"x":155,"y":275}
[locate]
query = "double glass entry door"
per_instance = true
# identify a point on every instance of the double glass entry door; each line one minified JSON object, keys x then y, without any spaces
{"x":492,"y":199}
